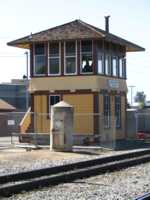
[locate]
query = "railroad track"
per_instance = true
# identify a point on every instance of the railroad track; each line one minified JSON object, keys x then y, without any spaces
{"x":26,"y":181}
{"x":144,"y":197}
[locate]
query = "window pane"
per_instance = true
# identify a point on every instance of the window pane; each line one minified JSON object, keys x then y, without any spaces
{"x":86,"y":46}
{"x":54,"y":99}
{"x":54,"y":65}
{"x":86,"y":57}
{"x":120,"y":67}
{"x":87,"y":63}
{"x":39,"y":49}
{"x":100,"y":64}
{"x":114,"y":66}
{"x":54,"y":49}
{"x":40,"y":65}
{"x":70,"y":49}
{"x":124,"y":68}
{"x":70,"y":65}
{"x":107,"y":65}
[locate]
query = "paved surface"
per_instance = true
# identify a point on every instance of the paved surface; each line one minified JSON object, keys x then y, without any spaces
{"x":8,"y":142}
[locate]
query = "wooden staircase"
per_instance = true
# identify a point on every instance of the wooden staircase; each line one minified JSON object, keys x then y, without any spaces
{"x":26,"y":124}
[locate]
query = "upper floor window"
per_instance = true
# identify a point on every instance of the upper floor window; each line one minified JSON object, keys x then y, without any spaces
{"x":86,"y":57}
{"x":114,"y":66}
{"x":108,"y":65}
{"x":54,"y":59}
{"x":70,"y":58}
{"x":39,"y":59}
{"x":100,"y":63}
{"x":122,"y":67}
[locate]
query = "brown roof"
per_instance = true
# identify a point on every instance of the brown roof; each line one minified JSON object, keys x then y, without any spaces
{"x":73,"y":30}
{"x":4,"y":106}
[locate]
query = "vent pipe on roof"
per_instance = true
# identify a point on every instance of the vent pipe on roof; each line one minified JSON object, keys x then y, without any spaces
{"x":107,"y":23}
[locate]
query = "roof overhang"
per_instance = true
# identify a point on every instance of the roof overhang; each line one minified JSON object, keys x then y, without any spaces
{"x":78,"y":30}
{"x":130,"y":47}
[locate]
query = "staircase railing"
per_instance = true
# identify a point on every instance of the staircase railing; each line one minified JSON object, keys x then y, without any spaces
{"x":26,"y":121}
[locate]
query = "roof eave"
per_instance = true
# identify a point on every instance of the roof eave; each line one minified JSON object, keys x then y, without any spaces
{"x":134,"y":49}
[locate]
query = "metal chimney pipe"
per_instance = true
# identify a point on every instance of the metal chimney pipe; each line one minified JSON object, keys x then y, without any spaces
{"x":107,"y":23}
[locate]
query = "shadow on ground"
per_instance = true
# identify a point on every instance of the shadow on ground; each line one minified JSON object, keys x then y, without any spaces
{"x":131,"y":144}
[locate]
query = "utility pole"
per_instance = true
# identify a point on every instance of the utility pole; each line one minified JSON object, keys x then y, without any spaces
{"x":27,"y":80}
{"x":131,"y":87}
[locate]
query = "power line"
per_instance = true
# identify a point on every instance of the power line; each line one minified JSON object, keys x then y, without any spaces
{"x":10,"y":56}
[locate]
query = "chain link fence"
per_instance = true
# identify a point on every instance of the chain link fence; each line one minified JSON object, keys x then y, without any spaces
{"x":29,"y":127}
{"x":143,"y":125}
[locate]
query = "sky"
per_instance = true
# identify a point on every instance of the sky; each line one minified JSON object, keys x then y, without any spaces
{"x":129,"y":19}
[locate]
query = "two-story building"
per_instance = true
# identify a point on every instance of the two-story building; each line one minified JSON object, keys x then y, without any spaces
{"x":82,"y":65}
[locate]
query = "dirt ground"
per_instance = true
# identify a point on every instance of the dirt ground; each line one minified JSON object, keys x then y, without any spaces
{"x":22,"y":154}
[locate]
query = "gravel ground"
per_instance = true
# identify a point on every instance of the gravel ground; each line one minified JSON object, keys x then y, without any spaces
{"x":18,"y":160}
{"x":124,"y":185}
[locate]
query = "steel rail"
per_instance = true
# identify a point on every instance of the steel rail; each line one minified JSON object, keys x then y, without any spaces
{"x":26,"y":181}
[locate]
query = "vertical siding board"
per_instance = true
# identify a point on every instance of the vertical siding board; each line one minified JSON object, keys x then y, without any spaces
{"x":32,"y":111}
{"x":83,"y":112}
{"x":96,"y":113}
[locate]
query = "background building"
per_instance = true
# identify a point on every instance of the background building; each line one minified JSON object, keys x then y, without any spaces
{"x":15,"y":93}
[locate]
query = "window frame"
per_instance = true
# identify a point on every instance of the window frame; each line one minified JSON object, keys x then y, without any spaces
{"x":65,"y":73}
{"x":34,"y":71}
{"x":86,"y":73}
{"x":59,"y":57}
{"x":118,"y":111}
{"x":49,"y":96}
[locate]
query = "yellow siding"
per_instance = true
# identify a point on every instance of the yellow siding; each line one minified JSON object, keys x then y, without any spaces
{"x":83,"y":107}
{"x":101,"y":104}
{"x":42,"y":123}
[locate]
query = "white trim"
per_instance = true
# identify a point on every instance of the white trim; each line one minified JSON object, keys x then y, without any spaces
{"x":34,"y":73}
{"x":54,"y":57}
{"x":81,"y":57}
{"x":70,"y":57}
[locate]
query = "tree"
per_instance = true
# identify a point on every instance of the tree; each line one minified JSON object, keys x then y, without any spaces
{"x":140,"y":98}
